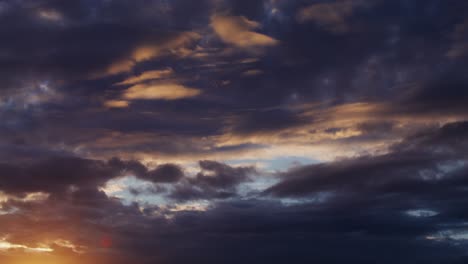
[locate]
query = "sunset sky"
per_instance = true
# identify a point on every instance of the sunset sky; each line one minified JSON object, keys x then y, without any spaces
{"x":233,"y":131}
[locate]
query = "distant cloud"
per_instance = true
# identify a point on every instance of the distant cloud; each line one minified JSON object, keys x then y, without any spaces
{"x":51,"y":15}
{"x":238,"y":31}
{"x":116,"y":104}
{"x":148,"y":75}
{"x":163,"y":91}
{"x":144,"y":52}
{"x":330,"y":15}
{"x":252,"y":72}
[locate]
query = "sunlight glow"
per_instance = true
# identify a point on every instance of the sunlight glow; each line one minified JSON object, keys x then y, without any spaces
{"x":5,"y":246}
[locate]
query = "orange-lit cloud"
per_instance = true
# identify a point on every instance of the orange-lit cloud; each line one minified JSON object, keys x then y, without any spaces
{"x":116,"y":104}
{"x":160,"y":91}
{"x":148,"y":75}
{"x":238,"y":31}
{"x":175,"y":46}
{"x":6,"y":246}
{"x":29,"y":197}
{"x":143,"y":52}
{"x":68,"y":244}
{"x":119,"y":67}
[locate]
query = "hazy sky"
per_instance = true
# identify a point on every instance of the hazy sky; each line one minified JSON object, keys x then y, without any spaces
{"x":233,"y":131}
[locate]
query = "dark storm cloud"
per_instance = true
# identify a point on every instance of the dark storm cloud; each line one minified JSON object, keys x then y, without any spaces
{"x":311,"y":234}
{"x":214,"y":181}
{"x":57,"y":175}
{"x":355,"y":175}
{"x":426,"y":171}
{"x":221,"y":175}
{"x":54,"y":175}
{"x":418,"y":164}
{"x":365,"y":221}
{"x":445,"y":93}
{"x":450,"y":141}
{"x":166,"y":173}
{"x":259,"y":231}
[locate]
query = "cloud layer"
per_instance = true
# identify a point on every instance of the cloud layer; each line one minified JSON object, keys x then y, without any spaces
{"x":265,"y":131}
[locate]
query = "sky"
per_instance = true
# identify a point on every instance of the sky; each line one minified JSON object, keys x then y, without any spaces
{"x":233,"y":131}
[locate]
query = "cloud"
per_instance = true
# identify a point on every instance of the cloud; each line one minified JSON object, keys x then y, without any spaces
{"x":6,"y":246}
{"x":175,"y":45}
{"x":116,"y":104}
{"x":237,"y":30}
{"x":267,"y":121}
{"x":218,"y":175}
{"x":214,"y":181}
{"x":332,"y":15}
{"x":370,"y":96}
{"x":148,"y":75}
{"x":159,"y":91}
{"x":51,"y":15}
{"x":369,"y":205}
{"x":47,"y":175}
{"x":167,"y":173}
{"x":117,"y":67}
{"x":35,"y":180}
{"x":414,"y":166}
{"x":148,"y":86}
{"x":444,"y":93}
{"x":252,"y":72}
